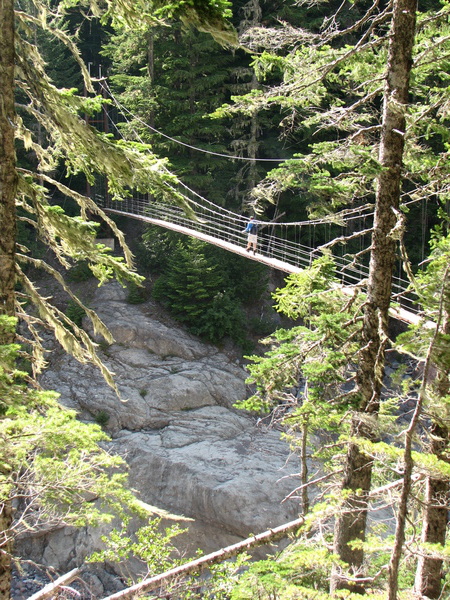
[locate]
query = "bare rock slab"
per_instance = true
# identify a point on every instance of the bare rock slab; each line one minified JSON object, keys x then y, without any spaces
{"x":188,"y":450}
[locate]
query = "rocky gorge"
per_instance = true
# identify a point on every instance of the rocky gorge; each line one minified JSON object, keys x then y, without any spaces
{"x":188,"y":450}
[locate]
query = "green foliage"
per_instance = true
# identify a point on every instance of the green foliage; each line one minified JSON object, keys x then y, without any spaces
{"x":223,"y":318}
{"x":332,"y":112}
{"x":75,"y":313}
{"x":173,"y":93}
{"x":197,"y":287}
{"x":102,"y":418}
{"x":151,"y":545}
{"x":300,"y":572}
{"x":53,"y":131}
{"x":310,"y":295}
{"x":156,"y":248}
{"x":262,"y":326}
{"x":206,"y":15}
{"x":222,"y":579}
{"x":137,"y":294}
{"x":245,"y":279}
{"x":191,"y":284}
{"x":320,"y":354}
{"x":51,"y":457}
{"x":80,"y":272}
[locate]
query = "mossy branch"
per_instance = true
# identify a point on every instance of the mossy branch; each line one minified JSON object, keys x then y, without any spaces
{"x":72,"y":338}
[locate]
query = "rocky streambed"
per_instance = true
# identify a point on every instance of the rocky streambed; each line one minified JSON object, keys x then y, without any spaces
{"x":188,"y":450}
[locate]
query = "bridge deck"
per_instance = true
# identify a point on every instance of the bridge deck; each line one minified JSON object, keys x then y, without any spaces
{"x":266,"y":260}
{"x":396,"y":312}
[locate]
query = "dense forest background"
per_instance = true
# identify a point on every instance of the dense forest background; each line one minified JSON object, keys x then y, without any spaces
{"x":171,"y":82}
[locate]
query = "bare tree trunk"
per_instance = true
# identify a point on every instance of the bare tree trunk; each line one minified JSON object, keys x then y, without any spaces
{"x":8,"y":177}
{"x":436,"y":516}
{"x":351,"y":523}
{"x":151,"y":68}
{"x":304,"y":468}
{"x":402,"y":511}
{"x":52,"y":588}
{"x":428,"y":580}
{"x":8,"y":186}
{"x":252,"y":15}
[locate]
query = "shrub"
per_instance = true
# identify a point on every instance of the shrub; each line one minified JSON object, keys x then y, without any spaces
{"x":262,"y":327}
{"x":156,"y":247}
{"x":300,"y":572}
{"x":80,"y":272}
{"x":75,"y":313}
{"x":136,"y":294}
{"x":224,"y":318}
{"x":204,"y":287}
{"x":101,"y":418}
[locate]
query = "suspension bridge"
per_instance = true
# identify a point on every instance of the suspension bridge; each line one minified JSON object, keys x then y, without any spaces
{"x":282,"y":246}
{"x":223,"y":228}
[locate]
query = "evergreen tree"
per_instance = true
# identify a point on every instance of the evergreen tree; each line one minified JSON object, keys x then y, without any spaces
{"x":351,"y":523}
{"x":169,"y":100}
{"x":431,"y":348}
{"x":196,"y":290}
{"x":191,"y":282}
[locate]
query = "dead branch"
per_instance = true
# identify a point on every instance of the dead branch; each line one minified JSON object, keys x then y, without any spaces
{"x":315,"y":482}
{"x":197,"y":565}
{"x":49,"y":590}
{"x":344,"y":238}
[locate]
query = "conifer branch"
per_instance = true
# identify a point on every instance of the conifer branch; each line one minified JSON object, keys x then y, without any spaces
{"x":344,"y":238}
{"x":99,"y":326}
{"x":72,"y":338}
{"x":48,"y":24}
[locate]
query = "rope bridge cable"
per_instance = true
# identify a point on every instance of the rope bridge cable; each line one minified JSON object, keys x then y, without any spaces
{"x":104,"y":85}
{"x":345,"y":215}
{"x":223,"y":227}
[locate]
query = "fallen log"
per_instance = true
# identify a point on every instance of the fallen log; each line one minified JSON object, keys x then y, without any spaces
{"x":197,"y":565}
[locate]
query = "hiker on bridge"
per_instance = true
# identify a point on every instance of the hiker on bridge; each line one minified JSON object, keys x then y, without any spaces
{"x":252,"y":230}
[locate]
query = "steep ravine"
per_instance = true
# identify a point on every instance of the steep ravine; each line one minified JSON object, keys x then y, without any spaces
{"x":189,"y":452}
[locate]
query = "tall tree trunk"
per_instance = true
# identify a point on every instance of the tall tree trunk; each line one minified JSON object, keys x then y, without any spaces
{"x":428,"y":580}
{"x":254,"y":18}
{"x":351,"y":523}
{"x":151,"y":68}
{"x":251,"y":17}
{"x":8,"y":176}
{"x":8,"y":186}
{"x":428,"y":576}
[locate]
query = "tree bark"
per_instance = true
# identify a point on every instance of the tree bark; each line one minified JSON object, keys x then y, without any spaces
{"x":428,"y":581}
{"x":435,"y":511}
{"x":351,"y":523}
{"x":8,"y":176}
{"x":8,"y":187}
